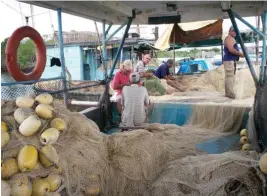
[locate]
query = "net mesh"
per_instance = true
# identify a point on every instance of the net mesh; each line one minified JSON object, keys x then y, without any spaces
{"x":162,"y":160}
{"x":79,"y":90}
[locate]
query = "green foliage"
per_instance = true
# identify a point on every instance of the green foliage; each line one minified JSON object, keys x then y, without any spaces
{"x":190,"y":53}
{"x":3,"y":47}
{"x":25,"y":54}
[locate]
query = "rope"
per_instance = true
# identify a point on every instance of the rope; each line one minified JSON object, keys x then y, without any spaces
{"x":52,"y":26}
{"x":13,"y":9}
{"x":21,"y":12}
{"x":40,"y":14}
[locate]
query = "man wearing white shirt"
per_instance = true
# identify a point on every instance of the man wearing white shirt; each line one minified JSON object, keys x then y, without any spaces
{"x":135,"y":102}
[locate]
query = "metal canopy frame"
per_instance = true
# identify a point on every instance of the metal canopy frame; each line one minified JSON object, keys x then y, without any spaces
{"x":125,"y":9}
{"x":114,"y":12}
{"x":262,"y":76}
{"x":129,"y":22}
{"x":62,"y":57}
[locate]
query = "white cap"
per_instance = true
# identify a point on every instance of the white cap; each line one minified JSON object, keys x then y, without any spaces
{"x":134,"y":77}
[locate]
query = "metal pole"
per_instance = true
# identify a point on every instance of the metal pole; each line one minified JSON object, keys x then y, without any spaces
{"x":104,"y":48}
{"x":249,"y":25}
{"x":121,"y":55}
{"x":85,"y":103}
{"x":232,"y":18}
{"x":174,"y":52}
{"x":130,"y":19}
{"x":62,"y":58}
{"x":132,"y":51}
{"x":222,"y":51}
{"x":263,"y":59}
{"x":257,"y":40}
{"x":100,"y":50}
{"x":117,"y":30}
{"x":109,"y":27}
{"x":30,"y":81}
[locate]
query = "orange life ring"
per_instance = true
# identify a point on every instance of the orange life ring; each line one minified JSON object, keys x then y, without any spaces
{"x":11,"y":54}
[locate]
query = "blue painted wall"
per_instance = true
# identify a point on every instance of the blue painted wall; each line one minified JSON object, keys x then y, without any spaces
{"x":73,"y":60}
{"x":75,"y":63}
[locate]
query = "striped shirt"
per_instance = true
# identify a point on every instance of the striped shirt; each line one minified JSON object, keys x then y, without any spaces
{"x":134,"y":102}
{"x":139,"y":67}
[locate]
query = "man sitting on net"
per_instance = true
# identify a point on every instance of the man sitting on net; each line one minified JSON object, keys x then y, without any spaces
{"x":163,"y":73}
{"x":148,"y":80}
{"x":135,"y":103}
{"x":120,"y":80}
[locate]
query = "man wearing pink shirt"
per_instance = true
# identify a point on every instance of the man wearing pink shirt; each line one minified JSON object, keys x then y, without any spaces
{"x":121,"y":79}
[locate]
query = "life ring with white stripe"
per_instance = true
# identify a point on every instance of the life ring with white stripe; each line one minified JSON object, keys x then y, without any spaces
{"x":11,"y":54}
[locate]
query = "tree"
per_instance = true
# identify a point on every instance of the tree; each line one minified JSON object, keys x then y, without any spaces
{"x":3,"y":56}
{"x":216,"y":50}
{"x":25,"y":54}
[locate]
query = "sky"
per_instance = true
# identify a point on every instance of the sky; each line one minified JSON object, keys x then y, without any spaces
{"x":11,"y":19}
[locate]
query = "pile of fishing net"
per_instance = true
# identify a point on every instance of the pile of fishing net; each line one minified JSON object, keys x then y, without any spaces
{"x":214,"y":80}
{"x":231,"y":173}
{"x":158,"y":160}
{"x":211,"y":81}
{"x":133,"y":163}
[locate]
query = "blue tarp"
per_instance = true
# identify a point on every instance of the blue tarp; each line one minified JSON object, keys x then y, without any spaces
{"x":193,"y":66}
{"x":170,"y":113}
{"x":219,"y":144}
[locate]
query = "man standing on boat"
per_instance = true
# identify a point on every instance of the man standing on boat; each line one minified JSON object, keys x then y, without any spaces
{"x":231,"y":55}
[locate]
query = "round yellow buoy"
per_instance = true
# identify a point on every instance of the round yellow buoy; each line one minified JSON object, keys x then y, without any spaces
{"x":40,"y":187}
{"x":59,"y":124}
{"x":44,"y":111}
{"x":243,"y":140}
{"x":5,"y":138}
{"x":44,"y":98}
{"x":27,"y":158}
{"x":93,"y":191}
{"x":30,"y":125}
{"x":263,"y":163}
{"x":49,"y":136}
{"x":9,"y":167}
{"x":24,"y":102}
{"x":48,"y":156}
{"x":243,"y":132}
{"x":54,"y":181}
{"x":246,"y":147}
{"x":21,"y":185}
{"x":3,"y":126}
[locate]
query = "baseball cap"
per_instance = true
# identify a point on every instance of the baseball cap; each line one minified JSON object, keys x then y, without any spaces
{"x":134,"y":77}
